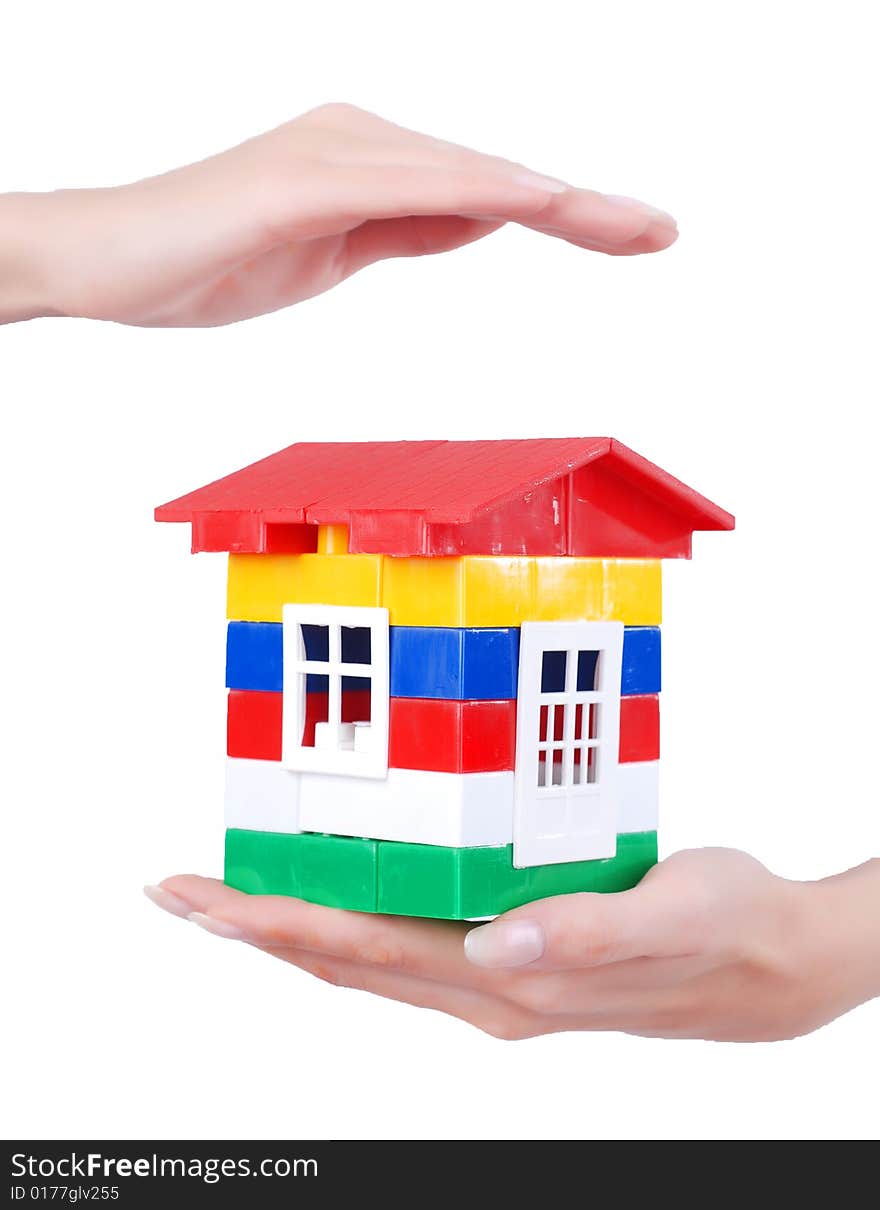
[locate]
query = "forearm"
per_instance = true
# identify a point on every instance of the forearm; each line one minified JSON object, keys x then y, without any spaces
{"x":844,"y":920}
{"x":27,"y":221}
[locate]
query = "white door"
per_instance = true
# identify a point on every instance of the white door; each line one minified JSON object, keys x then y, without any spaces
{"x":567,"y":740}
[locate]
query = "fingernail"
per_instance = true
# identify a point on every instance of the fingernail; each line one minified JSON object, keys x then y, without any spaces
{"x":633,"y":203}
{"x":168,"y":902}
{"x":220,"y":928}
{"x":533,"y":180}
{"x":505,"y":943}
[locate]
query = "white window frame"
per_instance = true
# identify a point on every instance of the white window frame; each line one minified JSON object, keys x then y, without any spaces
{"x":360,"y":751}
{"x":572,"y":819}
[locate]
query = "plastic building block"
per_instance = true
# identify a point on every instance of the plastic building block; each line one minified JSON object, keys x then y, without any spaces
{"x":333,"y":870}
{"x":430,"y":661}
{"x":641,"y":660}
{"x":261,"y":794}
{"x":253,"y":724}
{"x":332,"y":540}
{"x":411,"y":805}
{"x":254,"y":720}
{"x":462,"y":884}
{"x":639,"y":728}
{"x":454,"y":662}
{"x":260,"y":586}
{"x":254,"y":656}
{"x":471,"y":591}
{"x":638,"y":796}
{"x":452,"y":736}
{"x":567,"y":496}
{"x":418,"y":880}
{"x":217,"y":531}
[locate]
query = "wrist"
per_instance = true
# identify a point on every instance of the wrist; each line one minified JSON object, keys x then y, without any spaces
{"x":26,"y":262}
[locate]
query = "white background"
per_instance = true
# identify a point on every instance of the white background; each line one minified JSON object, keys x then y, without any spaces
{"x":744,"y":361}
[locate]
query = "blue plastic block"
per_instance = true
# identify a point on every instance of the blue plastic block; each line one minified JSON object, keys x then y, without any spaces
{"x":454,"y":663}
{"x":641,"y":660}
{"x":253,"y":656}
{"x":432,"y":661}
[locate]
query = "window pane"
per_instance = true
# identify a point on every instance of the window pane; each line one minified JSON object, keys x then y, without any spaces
{"x":586,"y":721}
{"x":588,"y":664}
{"x":553,"y":672}
{"x":316,"y":640}
{"x":542,"y":768}
{"x":355,"y":644}
{"x":356,"y":703}
{"x":316,"y":712}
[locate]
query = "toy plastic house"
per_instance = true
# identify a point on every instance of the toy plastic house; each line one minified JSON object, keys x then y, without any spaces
{"x":443,"y":666}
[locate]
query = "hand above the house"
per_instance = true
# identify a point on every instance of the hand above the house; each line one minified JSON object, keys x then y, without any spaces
{"x":709,"y":945}
{"x":281,"y":218}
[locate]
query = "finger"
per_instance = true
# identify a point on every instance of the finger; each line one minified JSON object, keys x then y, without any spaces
{"x":546,"y":1009}
{"x":604,"y":223}
{"x":431,"y":949}
{"x":489,"y":1013}
{"x":378,"y":141}
{"x":428,"y":234}
{"x":660,"y":918}
{"x":410,"y":236}
{"x":340,"y":197}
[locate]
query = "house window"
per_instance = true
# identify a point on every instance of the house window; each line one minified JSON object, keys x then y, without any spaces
{"x":335,"y":690}
{"x":569,"y":719}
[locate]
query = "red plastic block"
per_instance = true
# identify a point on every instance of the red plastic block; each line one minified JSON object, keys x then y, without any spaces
{"x":248,"y":533}
{"x":253,"y":720}
{"x":253,"y":724}
{"x":452,"y":737}
{"x":640,"y":727}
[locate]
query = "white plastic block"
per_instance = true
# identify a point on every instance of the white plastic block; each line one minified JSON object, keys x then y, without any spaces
{"x":572,"y":816}
{"x":638,"y":796}
{"x":262,"y":796}
{"x":456,"y":809}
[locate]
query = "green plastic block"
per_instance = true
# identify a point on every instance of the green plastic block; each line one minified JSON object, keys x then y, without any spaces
{"x":418,"y":879}
{"x":339,"y":871}
{"x":457,"y":884}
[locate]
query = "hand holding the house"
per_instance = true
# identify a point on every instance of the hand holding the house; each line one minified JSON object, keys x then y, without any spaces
{"x":708,"y":945}
{"x":281,"y":218}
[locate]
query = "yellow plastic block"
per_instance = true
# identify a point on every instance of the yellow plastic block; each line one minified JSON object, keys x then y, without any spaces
{"x":567,"y":590}
{"x":423,"y":592}
{"x":260,"y":585}
{"x":332,"y":539}
{"x":470,"y":590}
{"x":632,"y":591}
{"x":498,"y":590}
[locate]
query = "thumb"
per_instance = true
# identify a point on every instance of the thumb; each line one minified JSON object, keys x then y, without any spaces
{"x":590,"y":929}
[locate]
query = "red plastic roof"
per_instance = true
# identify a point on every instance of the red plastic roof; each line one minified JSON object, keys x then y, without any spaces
{"x":439,"y":482}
